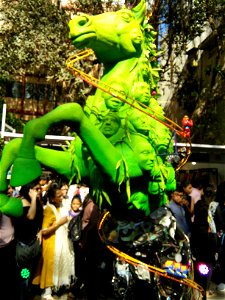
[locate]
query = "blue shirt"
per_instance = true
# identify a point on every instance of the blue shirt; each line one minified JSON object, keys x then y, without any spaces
{"x":180,"y":216}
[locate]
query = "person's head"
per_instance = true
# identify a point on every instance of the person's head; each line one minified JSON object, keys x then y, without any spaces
{"x":64,"y":188}
{"x":187,"y":187}
{"x":110,"y":124}
{"x":54,"y":195}
{"x":200,"y":185}
{"x":44,"y":178}
{"x":9,"y":191}
{"x":209,"y":193}
{"x":177,"y":197}
{"x":76,"y":203}
{"x":25,"y":189}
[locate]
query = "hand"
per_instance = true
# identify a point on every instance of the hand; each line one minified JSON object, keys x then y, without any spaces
{"x":33,"y":194}
{"x":39,"y":236}
{"x":46,"y":186}
{"x":185,"y":202}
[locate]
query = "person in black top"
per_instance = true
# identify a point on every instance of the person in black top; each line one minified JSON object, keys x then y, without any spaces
{"x":220,"y":276}
{"x":207,"y":223}
{"x":28,"y":232}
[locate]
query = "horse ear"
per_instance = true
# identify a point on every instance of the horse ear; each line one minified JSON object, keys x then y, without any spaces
{"x":139,"y":11}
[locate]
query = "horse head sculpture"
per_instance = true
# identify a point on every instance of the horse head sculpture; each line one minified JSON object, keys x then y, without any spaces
{"x":114,"y":36}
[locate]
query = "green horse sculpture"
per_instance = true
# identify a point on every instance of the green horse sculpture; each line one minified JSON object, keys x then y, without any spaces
{"x":118,"y":147}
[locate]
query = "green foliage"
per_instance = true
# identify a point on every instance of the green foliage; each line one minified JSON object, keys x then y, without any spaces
{"x":2,"y":143}
{"x":34,"y":41}
{"x":179,"y":22}
{"x":33,"y":33}
{"x":11,"y":120}
{"x":16,"y":123}
{"x":33,"y":38}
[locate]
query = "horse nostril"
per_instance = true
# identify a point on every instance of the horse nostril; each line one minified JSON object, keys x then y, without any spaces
{"x":83,"y":20}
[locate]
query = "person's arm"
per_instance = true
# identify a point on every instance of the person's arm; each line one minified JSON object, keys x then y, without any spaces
{"x":87,"y":214}
{"x":33,"y":205}
{"x":190,"y":206}
{"x":52,"y":229}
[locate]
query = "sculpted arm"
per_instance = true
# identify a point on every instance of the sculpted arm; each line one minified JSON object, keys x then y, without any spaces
{"x":26,"y":167}
{"x":64,"y":163}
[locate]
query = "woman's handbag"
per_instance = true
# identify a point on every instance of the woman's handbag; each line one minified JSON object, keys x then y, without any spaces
{"x":27,"y":254}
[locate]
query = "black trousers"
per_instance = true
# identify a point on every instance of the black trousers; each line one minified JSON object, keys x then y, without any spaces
{"x":9,"y":273}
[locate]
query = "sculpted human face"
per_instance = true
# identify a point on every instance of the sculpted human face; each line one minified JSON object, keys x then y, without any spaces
{"x":145,"y":155}
{"x":140,"y":121}
{"x":109,"y":126}
{"x":142,"y":92}
{"x":114,"y":103}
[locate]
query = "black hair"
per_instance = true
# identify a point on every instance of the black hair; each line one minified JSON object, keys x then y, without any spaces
{"x":185,"y":183}
{"x":220,"y":194}
{"x":77,"y":196}
{"x":51,"y":192}
{"x":45,"y":177}
{"x":62,"y":183}
{"x":24,"y":191}
{"x":179,"y":187}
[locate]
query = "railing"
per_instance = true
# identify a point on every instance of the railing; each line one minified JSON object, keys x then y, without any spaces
{"x":7,"y":135}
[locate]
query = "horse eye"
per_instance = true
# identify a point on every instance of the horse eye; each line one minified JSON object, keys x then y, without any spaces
{"x":83,"y":20}
{"x":126,"y":16}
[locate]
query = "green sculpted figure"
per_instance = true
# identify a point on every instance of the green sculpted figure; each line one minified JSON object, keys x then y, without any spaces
{"x":118,"y":147}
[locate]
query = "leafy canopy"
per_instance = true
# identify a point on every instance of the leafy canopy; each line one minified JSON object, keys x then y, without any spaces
{"x":33,"y":36}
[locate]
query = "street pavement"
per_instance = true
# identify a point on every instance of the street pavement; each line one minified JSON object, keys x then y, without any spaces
{"x":217,"y":296}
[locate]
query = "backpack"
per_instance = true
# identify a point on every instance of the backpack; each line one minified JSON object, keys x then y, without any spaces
{"x":75,"y":228}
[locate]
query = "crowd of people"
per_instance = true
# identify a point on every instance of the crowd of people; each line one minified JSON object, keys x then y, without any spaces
{"x":37,"y":251}
{"x":54,"y":247}
{"x":200,"y":213}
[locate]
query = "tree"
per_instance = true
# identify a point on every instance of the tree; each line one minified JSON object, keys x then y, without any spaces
{"x":179,"y":23}
{"x":34,"y":39}
{"x":34,"y":42}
